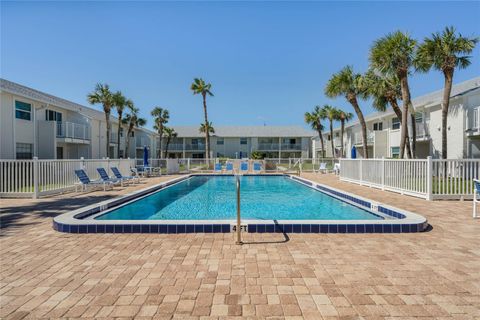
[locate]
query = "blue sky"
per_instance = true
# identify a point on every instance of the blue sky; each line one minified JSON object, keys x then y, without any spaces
{"x":267,"y":61}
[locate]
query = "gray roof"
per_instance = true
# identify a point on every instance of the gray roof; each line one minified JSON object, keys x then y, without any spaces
{"x":246,"y":131}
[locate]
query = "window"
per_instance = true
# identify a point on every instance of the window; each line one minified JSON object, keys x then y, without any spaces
{"x":395,"y":124}
{"x":418,"y":117}
{"x":328,"y":137}
{"x":194,"y":141}
{"x":243,"y":140}
{"x":51,"y":115}
{"x":23,"y":110}
{"x":395,"y":152}
{"x":121,"y":132}
{"x":378,"y":126}
{"x":337,"y":134}
{"x":24,"y":151}
{"x":220,"y":141}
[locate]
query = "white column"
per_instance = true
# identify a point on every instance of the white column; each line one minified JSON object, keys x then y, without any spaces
{"x":429,"y":178}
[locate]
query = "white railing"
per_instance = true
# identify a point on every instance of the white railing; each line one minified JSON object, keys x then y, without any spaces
{"x":268,"y":146}
{"x":73,"y":130}
{"x":424,"y":178}
{"x":141,"y":142}
{"x":422,"y":129}
{"x":34,"y":178}
{"x":358,"y":138}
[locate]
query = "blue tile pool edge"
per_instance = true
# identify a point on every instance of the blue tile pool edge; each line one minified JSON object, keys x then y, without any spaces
{"x":401,"y":222}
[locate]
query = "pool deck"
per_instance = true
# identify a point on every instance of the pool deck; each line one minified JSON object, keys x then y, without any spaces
{"x":47,"y":274}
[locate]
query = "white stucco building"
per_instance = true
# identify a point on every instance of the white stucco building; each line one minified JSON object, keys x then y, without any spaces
{"x":383,"y":128}
{"x":33,"y":123}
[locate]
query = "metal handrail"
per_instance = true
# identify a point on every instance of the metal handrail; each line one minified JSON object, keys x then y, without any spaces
{"x":239,"y":234}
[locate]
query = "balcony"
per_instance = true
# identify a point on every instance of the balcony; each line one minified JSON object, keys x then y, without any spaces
{"x":422,"y":130}
{"x":194,"y":147}
{"x":173,"y":146}
{"x":473,"y":122}
{"x":358,"y":139}
{"x":73,"y":132}
{"x":141,"y":142}
{"x":291,"y":146}
{"x":267,"y":146}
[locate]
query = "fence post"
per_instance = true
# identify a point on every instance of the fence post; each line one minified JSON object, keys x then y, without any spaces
{"x":35,"y":178}
{"x":383,"y":173}
{"x":429,"y":178}
{"x":188,"y":165}
{"x":361,"y":171}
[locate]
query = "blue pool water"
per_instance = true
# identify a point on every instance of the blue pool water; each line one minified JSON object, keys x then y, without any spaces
{"x":214,"y":198}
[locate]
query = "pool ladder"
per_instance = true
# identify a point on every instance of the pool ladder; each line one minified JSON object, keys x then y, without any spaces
{"x":239,"y":231}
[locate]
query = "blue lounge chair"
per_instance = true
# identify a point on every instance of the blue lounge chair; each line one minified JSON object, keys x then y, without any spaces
{"x":104,"y":176}
{"x":244,"y":166}
{"x":257,"y":166}
{"x":85,"y":181}
{"x":119,"y":175}
{"x":218,"y":167}
{"x":476,"y":195}
{"x":229,"y":166}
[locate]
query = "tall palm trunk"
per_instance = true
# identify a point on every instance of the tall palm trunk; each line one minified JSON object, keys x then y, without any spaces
{"x":320,"y":136}
{"x":160,"y":142}
{"x":107,"y":119}
{"x":127,"y":140}
{"x":342,"y":129}
{"x":414,"y":135}
{"x":361,"y":119}
{"x":166,"y":147}
{"x":331,"y":138}
{"x":445,"y":104}
{"x":406,"y":103}
{"x":207,"y":128}
{"x":118,"y":132}
{"x":398,"y":113}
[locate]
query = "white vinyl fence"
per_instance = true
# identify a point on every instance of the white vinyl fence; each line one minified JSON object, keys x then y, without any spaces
{"x":34,"y":178}
{"x":424,"y":178}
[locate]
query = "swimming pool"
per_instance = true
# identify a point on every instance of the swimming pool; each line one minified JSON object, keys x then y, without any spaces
{"x":262,"y":197}
{"x":269,"y":203}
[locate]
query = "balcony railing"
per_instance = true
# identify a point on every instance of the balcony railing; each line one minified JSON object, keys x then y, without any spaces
{"x":73,"y":130}
{"x":173,"y":146}
{"x":291,"y":146}
{"x":267,"y":146}
{"x":422,"y":129}
{"x":141,"y":142}
{"x":358,"y":139}
{"x":475,"y":121}
{"x":195,"y":146}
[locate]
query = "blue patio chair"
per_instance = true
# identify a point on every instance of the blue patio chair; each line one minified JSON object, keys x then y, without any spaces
{"x":476,"y":195}
{"x":244,"y":166}
{"x":119,"y":175}
{"x":218,"y":167}
{"x":85,"y":181}
{"x":229,"y":166}
{"x":104,"y":176}
{"x":257,"y":166}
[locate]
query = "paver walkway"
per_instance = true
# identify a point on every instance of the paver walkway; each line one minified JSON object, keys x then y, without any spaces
{"x":46,"y":274}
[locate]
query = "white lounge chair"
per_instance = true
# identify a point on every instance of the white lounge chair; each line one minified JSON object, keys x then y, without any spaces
{"x":323,"y":167}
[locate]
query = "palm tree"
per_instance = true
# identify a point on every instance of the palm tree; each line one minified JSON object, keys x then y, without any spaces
{"x":343,"y":117}
{"x":161,"y":118}
{"x":169,"y":133}
{"x":119,"y":102}
{"x":102,"y":95}
{"x":331,"y":114}
{"x":349,"y":84}
{"x":314,"y":119}
{"x":385,"y":90}
{"x":200,"y":87}
{"x":445,"y":52}
{"x":203,"y":128}
{"x":393,"y":55}
{"x":132,"y":120}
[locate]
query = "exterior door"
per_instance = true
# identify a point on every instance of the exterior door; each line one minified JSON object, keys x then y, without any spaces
{"x":59,"y":152}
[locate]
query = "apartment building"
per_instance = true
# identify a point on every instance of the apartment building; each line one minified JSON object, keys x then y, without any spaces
{"x":34,"y":123}
{"x":240,"y":141}
{"x":383,"y":128}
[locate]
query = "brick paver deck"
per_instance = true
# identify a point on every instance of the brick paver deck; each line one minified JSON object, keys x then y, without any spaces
{"x":46,"y":274}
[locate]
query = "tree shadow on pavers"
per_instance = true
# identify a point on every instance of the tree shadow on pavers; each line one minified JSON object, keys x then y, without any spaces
{"x":15,"y":217}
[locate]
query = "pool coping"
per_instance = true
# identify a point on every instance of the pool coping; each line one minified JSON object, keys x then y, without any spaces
{"x":395,"y":220}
